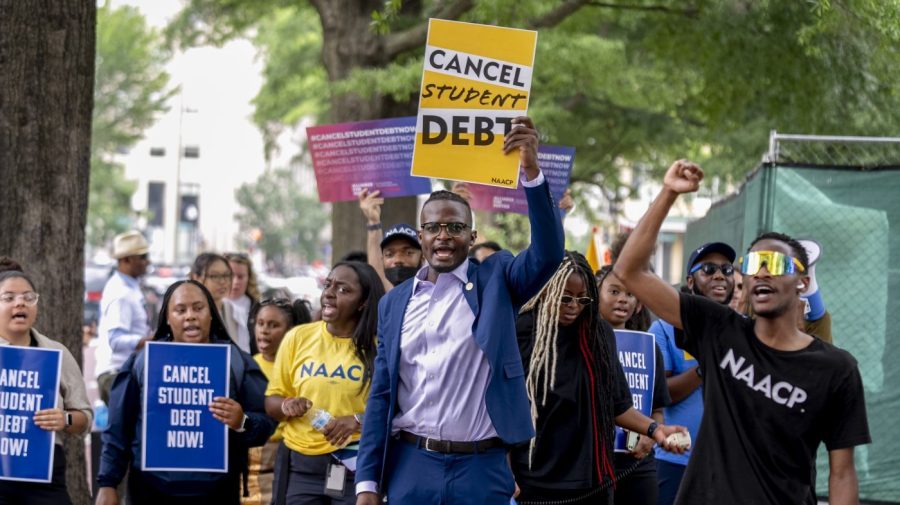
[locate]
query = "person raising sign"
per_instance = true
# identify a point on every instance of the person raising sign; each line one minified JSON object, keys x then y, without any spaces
{"x":187,"y":315}
{"x":18,"y":311}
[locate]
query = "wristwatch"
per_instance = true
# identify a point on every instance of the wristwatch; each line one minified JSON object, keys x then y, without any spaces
{"x":243,"y":427}
{"x":68,"y":419}
{"x":652,"y":428}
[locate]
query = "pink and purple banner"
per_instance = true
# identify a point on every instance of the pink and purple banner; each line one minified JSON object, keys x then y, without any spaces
{"x":556,"y":164}
{"x":373,"y":155}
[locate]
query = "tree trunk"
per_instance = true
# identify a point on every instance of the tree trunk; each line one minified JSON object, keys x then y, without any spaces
{"x":349,"y":43}
{"x":47,"y":81}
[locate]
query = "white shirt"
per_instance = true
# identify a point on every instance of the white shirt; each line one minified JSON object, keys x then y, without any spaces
{"x":123,"y":322}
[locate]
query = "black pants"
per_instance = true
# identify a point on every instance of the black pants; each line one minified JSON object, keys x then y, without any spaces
{"x":300,"y":480}
{"x":639,"y":487}
{"x":39,"y":493}
{"x":141,"y":492}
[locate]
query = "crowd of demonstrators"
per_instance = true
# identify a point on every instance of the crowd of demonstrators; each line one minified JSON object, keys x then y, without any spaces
{"x":244,"y":291}
{"x":397,"y":255}
{"x":123,"y":327}
{"x":325,"y":369}
{"x":18,"y":312}
{"x":637,"y":482}
{"x":188,"y":316}
{"x":577,"y":391}
{"x":438,"y":421}
{"x":710,"y":274}
{"x":268,"y":321}
{"x":772,"y":393}
{"x":481,"y":375}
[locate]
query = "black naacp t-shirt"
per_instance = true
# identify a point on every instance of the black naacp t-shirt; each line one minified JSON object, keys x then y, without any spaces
{"x":563,"y":455}
{"x":765,"y":411}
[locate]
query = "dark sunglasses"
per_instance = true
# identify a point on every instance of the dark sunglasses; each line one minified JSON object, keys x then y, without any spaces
{"x":711,"y":268}
{"x":582,"y":300}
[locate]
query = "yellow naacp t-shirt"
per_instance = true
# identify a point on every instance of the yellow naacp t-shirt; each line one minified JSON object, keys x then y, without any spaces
{"x":314,"y":364}
{"x":266,"y":367}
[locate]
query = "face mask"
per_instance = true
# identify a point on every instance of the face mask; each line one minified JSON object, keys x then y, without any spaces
{"x":396,"y":275}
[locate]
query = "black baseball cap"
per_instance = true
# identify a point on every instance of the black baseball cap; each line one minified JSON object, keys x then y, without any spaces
{"x":708,"y":248}
{"x":404,"y":231}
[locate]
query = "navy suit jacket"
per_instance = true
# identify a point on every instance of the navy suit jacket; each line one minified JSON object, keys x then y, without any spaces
{"x":501,"y":285}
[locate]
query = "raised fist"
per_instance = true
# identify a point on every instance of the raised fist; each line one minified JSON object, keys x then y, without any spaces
{"x":683,"y":177}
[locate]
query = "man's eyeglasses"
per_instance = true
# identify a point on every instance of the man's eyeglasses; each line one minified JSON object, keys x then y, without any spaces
{"x":453,"y":229}
{"x":30,"y":298}
{"x":776,"y":263}
{"x":581,"y":300}
{"x":219,"y":277}
{"x":711,"y":268}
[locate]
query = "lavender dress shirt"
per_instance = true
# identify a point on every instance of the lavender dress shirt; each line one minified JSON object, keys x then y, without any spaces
{"x":443,"y":372}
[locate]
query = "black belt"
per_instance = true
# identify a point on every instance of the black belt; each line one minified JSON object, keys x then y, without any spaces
{"x":447,"y":446}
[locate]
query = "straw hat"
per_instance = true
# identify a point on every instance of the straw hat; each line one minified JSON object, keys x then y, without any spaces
{"x":130,"y":243}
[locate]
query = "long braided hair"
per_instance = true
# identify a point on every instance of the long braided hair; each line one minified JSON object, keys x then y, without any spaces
{"x":593,"y":338}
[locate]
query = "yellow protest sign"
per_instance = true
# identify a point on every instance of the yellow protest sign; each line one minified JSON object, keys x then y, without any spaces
{"x":476,"y":79}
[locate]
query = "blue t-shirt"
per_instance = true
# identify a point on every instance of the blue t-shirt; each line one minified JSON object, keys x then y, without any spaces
{"x":688,"y":411}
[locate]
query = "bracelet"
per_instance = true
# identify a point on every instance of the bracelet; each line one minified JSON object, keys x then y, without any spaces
{"x":373,"y":227}
{"x":652,"y":428}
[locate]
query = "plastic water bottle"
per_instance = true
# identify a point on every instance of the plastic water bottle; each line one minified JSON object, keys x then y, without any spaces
{"x":319,"y":418}
{"x":101,"y":415}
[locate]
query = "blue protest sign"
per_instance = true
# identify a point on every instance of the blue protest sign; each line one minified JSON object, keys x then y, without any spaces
{"x":179,"y":431}
{"x":637,"y":354}
{"x":29,"y":382}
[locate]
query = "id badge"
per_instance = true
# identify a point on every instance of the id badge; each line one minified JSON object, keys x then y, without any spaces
{"x":335,"y":480}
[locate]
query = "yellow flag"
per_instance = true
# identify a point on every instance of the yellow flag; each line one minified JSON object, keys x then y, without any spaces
{"x":592,"y":255}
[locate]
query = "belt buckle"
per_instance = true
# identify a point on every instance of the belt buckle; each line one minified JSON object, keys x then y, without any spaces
{"x":428,"y":442}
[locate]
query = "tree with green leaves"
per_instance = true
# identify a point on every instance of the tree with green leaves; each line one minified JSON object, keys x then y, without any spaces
{"x":291,"y":222}
{"x":130,"y":92}
{"x":629,"y":84}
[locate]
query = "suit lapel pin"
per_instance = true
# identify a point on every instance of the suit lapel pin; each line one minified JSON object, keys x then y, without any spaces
{"x":469,"y":286}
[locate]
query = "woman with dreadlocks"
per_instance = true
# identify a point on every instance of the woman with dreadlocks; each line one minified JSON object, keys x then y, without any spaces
{"x":577,"y":391}
{"x":636,"y":469}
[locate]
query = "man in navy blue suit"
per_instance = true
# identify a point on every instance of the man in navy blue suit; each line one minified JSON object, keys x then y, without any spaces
{"x":448,"y":393}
